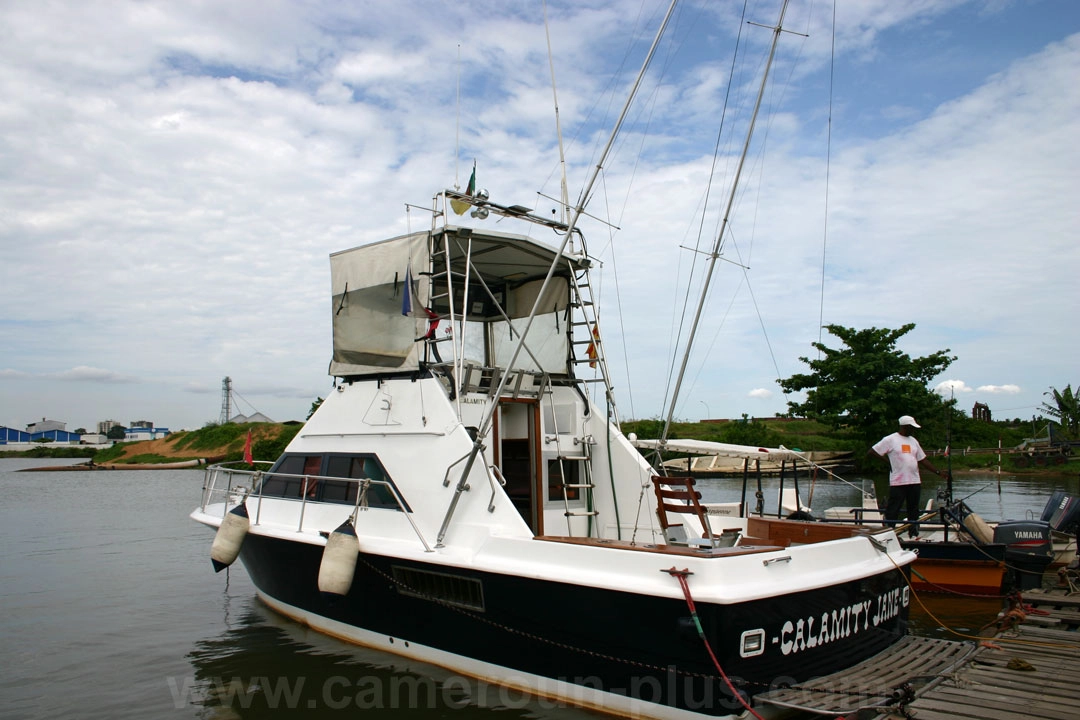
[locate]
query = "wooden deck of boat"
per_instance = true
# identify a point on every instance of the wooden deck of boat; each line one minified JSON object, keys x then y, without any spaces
{"x":1029,"y":670}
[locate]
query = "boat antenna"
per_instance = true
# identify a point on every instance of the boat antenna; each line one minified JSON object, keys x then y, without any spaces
{"x":485,"y":425}
{"x":564,"y":195}
{"x":457,"y":124}
{"x":777,"y":29}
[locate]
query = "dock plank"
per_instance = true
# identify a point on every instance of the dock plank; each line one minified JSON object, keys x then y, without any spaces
{"x":1048,"y":640}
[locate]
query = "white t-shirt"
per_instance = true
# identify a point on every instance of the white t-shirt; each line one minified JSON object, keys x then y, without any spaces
{"x":904,"y":454}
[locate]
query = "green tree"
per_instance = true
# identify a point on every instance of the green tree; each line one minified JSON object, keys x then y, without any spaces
{"x":1066,"y":408}
{"x":868,"y":384}
{"x":314,"y":406}
{"x":116,"y":433}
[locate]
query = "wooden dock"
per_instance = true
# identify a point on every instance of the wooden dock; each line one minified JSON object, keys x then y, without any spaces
{"x":1035,"y":674}
{"x":1030,"y":669}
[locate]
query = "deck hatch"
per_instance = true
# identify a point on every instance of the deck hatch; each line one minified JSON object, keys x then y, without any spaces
{"x":446,"y":588}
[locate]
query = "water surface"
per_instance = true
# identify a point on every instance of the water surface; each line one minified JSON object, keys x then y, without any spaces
{"x":111,"y":610}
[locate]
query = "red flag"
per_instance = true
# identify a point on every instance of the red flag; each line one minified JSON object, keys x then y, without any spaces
{"x":247,"y":449}
{"x":592,"y":351}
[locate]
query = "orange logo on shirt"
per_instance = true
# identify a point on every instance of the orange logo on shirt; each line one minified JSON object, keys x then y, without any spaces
{"x":905,"y":449}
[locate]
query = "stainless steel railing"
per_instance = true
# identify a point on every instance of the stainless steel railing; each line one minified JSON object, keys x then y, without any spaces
{"x":233,"y":485}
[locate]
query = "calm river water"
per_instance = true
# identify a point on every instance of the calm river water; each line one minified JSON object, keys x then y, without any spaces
{"x":110,"y":609}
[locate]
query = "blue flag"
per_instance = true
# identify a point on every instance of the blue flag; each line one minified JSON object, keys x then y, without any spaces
{"x":406,"y":300}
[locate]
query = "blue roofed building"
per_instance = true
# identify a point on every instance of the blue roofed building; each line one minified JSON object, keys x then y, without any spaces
{"x":11,"y":435}
{"x":57,"y":436}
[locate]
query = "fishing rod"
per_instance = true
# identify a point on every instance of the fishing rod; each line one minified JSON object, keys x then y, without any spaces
{"x":948,"y":447}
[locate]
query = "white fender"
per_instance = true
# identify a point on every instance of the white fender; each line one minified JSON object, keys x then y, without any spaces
{"x":230,"y":536}
{"x":339,"y":560}
{"x":978,"y":529}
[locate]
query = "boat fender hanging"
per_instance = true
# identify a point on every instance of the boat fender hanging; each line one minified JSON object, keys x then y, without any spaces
{"x":339,"y":560}
{"x":230,"y":535}
{"x":978,"y":529}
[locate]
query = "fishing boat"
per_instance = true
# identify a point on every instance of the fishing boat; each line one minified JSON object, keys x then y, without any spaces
{"x":464,"y":496}
{"x":958,"y":552}
{"x":525,"y":556}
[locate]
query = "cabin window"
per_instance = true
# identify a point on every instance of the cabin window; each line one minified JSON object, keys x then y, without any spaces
{"x":358,"y":467}
{"x":287,"y":480}
{"x":557,"y":470}
{"x":287,"y":477}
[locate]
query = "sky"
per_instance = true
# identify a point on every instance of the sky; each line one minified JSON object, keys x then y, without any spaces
{"x":175,"y":175}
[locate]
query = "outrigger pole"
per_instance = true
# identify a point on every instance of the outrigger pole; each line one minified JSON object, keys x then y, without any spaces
{"x":723,"y":228}
{"x":485,"y":425}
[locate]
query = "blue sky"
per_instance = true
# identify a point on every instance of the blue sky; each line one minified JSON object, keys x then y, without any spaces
{"x":175,"y":176}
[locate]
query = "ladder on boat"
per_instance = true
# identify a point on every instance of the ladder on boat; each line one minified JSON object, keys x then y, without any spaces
{"x":574,"y":468}
{"x":594,"y":354}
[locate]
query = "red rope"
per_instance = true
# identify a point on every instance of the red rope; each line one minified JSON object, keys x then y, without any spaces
{"x":681,"y":575}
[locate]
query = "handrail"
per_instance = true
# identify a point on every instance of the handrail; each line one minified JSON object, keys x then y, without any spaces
{"x":495,"y":474}
{"x":216,"y":474}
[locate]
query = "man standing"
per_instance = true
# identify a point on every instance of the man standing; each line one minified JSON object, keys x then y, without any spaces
{"x":905,"y":486}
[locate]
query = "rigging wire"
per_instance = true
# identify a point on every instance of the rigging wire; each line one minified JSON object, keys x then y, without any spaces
{"x":668,"y":387}
{"x":828,"y":167}
{"x":745,"y":263}
{"x":618,"y":303}
{"x":718,"y":243}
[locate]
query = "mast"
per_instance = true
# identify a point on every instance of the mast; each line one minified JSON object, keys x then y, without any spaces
{"x":777,"y":29}
{"x":485,"y":425}
{"x":564,"y":195}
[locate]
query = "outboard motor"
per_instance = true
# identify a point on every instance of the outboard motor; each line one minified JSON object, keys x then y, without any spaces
{"x":1028,"y":550}
{"x":1062,"y":511}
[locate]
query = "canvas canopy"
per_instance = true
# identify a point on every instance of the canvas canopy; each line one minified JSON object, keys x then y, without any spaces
{"x":371,"y":333}
{"x":378,"y":316}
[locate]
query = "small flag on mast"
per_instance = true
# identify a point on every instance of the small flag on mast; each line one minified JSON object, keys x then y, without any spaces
{"x":460,"y":206}
{"x":592,"y":352}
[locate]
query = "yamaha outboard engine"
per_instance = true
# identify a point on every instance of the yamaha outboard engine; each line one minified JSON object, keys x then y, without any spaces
{"x":1028,"y":550}
{"x":1062,"y":512}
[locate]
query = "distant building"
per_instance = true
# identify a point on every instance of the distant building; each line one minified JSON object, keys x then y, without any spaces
{"x":105,"y":426}
{"x":141,"y":424}
{"x":45,"y":426}
{"x":256,"y":418}
{"x":135,"y":434}
{"x":981,"y":412}
{"x":93,"y":439}
{"x":56,"y":436}
{"x":11,"y":435}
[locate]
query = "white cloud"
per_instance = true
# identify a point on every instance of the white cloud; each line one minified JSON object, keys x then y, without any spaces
{"x":955,"y":386}
{"x":1000,"y":389}
{"x":176,"y":175}
{"x":91,"y":374}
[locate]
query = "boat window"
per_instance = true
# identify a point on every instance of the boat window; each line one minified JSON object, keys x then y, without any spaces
{"x":286,"y":479}
{"x":357,"y":467}
{"x":556,"y":469}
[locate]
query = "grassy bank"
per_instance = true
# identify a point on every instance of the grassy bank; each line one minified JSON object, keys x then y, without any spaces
{"x":220,"y":442}
{"x":226,"y":443}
